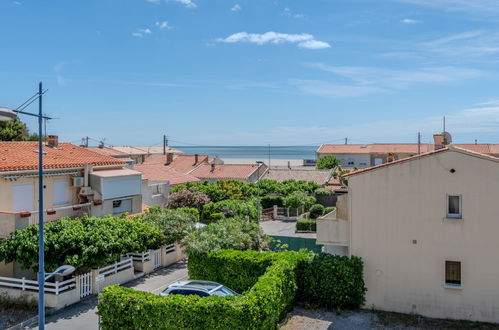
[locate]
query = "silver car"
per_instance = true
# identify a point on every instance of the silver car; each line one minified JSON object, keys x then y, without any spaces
{"x":199,"y":288}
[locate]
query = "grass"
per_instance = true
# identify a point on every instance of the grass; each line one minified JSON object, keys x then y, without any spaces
{"x":14,"y":311}
{"x":392,"y":319}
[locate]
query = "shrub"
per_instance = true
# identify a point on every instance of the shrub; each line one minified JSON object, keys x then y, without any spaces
{"x":304,"y":224}
{"x":329,"y":209}
{"x":187,"y":198}
{"x":268,"y":283}
{"x":316,"y":211}
{"x":331,"y":282}
{"x":327,"y":162}
{"x":298,"y":199}
{"x":173,"y":224}
{"x":231,"y":208}
{"x":230,"y":233}
{"x":268,"y":296}
{"x":323,"y":192}
{"x":83,"y":243}
{"x":270,"y":201}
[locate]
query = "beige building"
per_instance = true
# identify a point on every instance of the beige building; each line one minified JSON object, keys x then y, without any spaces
{"x":426,"y":228}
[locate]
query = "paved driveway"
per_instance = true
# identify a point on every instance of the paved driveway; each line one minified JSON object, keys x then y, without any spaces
{"x":283,"y":228}
{"x":81,"y":316}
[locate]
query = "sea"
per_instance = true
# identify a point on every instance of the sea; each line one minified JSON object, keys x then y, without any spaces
{"x":260,"y":152}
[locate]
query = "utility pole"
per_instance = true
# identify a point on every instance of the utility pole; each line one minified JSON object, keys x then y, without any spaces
{"x":346,"y":140}
{"x":419,"y":143}
{"x":476,"y":141}
{"x":86,"y":141}
{"x":165,"y":143}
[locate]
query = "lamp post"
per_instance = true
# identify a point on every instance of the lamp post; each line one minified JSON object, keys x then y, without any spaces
{"x":9,"y":114}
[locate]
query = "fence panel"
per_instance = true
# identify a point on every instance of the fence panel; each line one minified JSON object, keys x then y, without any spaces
{"x":85,"y":284}
{"x":156,"y":257}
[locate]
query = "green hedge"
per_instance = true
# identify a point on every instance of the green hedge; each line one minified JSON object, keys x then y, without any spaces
{"x":269,"y":293}
{"x":230,"y":208}
{"x":316,"y":211}
{"x":270,"y":201}
{"x":304,"y":224}
{"x":331,"y":281}
{"x":269,"y":283}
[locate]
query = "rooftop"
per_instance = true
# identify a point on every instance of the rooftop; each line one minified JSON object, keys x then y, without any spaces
{"x":181,"y":163}
{"x":225,"y":171}
{"x":22,"y":156}
{"x":109,"y":152}
{"x":160,"y":172}
{"x":405,"y":148}
{"x":145,"y":150}
{"x":318,"y":176}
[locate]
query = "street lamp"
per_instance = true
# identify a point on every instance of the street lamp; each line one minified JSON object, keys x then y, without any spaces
{"x":9,"y":114}
{"x":63,"y":270}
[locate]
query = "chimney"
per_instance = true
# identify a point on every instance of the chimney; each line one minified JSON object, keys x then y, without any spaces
{"x":53,"y":141}
{"x":289,"y":164}
{"x":169,"y":158}
{"x":212,"y":167}
{"x":196,"y":159}
{"x":390,"y":158}
{"x":438,"y":140}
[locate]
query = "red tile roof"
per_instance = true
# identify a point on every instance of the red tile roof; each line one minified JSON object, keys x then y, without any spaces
{"x":399,"y":148}
{"x":19,"y":156}
{"x":109,"y":152}
{"x":159,"y":172}
{"x":225,"y":171}
{"x":181,"y":163}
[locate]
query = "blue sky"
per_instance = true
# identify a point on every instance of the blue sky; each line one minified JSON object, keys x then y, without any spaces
{"x":255,"y":72}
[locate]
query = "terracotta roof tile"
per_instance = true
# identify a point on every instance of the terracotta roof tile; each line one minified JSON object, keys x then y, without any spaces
{"x":159,"y":172}
{"x":181,"y":163}
{"x":225,"y":171}
{"x":109,"y":152}
{"x":19,"y":156}
{"x":401,"y":148}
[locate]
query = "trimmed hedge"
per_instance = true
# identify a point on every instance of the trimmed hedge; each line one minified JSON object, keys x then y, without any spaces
{"x":304,"y":224}
{"x":316,"y":211}
{"x":269,"y":295}
{"x":269,"y":283}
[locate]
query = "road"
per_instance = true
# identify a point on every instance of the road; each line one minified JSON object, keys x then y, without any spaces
{"x":82,"y":316}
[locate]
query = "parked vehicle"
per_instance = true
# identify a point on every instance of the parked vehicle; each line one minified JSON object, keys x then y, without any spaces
{"x":200,"y":288}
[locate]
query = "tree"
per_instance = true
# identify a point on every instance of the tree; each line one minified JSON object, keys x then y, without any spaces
{"x":15,"y":130}
{"x":327,"y":162}
{"x":188,"y":198}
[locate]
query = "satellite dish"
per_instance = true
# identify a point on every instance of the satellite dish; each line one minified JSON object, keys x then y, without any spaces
{"x":447,"y":138}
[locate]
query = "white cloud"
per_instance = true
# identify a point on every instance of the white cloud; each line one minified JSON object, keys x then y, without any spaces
{"x":410,"y":21}
{"x":186,"y":3}
{"x":289,"y":13}
{"x":144,"y":31}
{"x":236,"y":7}
{"x":154,"y":1}
{"x":163,"y":25}
{"x":137,"y":34}
{"x":303,"y":40}
{"x":476,"y":6}
{"x":18,"y":3}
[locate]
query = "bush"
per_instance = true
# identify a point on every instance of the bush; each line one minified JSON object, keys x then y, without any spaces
{"x":270,"y":201}
{"x":327,"y":162}
{"x":329,"y":209}
{"x":173,"y":224}
{"x":267,"y":281}
{"x":231,"y":233}
{"x":83,"y":243}
{"x":323,"y":192}
{"x":306,"y":225}
{"x":331,"y":282}
{"x":187,"y":198}
{"x":231,"y":208}
{"x":269,"y":294}
{"x":298,"y":199}
{"x":316,"y":211}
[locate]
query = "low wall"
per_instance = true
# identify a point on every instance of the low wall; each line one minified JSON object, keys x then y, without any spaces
{"x":168,"y":258}
{"x":99,"y":281}
{"x":56,"y":301}
{"x":146,"y":267}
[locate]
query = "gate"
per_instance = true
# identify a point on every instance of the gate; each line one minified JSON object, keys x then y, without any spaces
{"x":85,"y":284}
{"x":156,"y":257}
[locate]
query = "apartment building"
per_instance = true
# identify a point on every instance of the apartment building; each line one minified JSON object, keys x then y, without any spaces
{"x":426,"y":228}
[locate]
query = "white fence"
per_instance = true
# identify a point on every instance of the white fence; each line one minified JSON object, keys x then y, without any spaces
{"x":116,"y":267}
{"x":170,"y":248}
{"x":140,"y":257}
{"x":50,"y":287}
{"x":156,"y":257}
{"x":85,"y":284}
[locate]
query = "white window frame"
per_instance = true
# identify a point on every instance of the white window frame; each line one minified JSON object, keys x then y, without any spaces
{"x":454,"y":215}
{"x":158,"y":189}
{"x":66,"y":199}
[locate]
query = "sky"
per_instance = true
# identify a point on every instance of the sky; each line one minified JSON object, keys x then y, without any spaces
{"x":255,"y":72}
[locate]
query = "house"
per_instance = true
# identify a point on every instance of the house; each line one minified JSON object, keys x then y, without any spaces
{"x":426,"y":228}
{"x":107,"y":151}
{"x":213,"y":171}
{"x":139,"y":154}
{"x":76,"y":181}
{"x":157,"y":179}
{"x":180,"y":163}
{"x":367,"y":155}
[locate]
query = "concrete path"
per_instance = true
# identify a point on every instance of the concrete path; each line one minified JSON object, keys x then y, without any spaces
{"x":81,"y":316}
{"x":283,"y":228}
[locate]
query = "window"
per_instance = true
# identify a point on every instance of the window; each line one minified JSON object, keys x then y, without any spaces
{"x":454,"y":206}
{"x":453,"y":273}
{"x":158,"y":189}
{"x":117,"y":203}
{"x":60,"y":192}
{"x":122,"y":205}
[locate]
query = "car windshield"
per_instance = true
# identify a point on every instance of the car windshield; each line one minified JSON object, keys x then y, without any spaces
{"x":223,"y":291}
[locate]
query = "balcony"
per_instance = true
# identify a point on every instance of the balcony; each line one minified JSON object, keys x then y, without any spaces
{"x":332,"y":231}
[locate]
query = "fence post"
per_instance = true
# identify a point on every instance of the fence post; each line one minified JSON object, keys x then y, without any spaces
{"x":23,"y":283}
{"x":275,"y":212}
{"x":56,"y":288}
